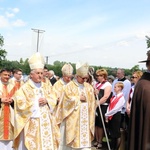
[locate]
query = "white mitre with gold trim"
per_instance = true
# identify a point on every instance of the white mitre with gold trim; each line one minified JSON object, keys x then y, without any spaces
{"x":82,"y":69}
{"x":67,"y":69}
{"x":36,"y":61}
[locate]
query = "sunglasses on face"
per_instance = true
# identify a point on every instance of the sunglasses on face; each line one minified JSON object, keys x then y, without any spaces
{"x":99,"y":75}
{"x":133,"y":77}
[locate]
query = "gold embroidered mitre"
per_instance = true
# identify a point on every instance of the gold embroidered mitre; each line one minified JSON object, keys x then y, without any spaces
{"x":36,"y":61}
{"x":67,"y":69}
{"x":82,"y":69}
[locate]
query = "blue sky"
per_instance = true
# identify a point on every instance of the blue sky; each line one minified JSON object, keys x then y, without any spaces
{"x":101,"y":32}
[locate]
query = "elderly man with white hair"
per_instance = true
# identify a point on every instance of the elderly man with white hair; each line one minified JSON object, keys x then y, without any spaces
{"x":35,"y":127}
{"x":52,"y":77}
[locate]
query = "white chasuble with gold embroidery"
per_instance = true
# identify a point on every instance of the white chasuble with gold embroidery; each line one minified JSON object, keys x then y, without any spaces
{"x":37,"y":123}
{"x":78,"y":115}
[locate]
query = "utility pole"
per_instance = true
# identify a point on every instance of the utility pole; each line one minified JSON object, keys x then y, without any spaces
{"x":47,"y":59}
{"x":38,"y":32}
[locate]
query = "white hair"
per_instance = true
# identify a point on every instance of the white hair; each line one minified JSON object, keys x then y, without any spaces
{"x":52,"y":72}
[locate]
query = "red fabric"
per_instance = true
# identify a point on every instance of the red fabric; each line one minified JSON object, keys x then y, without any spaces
{"x":14,"y":89}
{"x":6,"y":114}
{"x":113,"y":103}
{"x":44,"y":80}
{"x":6,"y":108}
{"x":99,"y":85}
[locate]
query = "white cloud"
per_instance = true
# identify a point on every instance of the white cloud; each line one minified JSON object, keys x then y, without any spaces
{"x":142,"y":34}
{"x":123,"y":43}
{"x":77,"y":27}
{"x":19,"y":23}
{"x":1,"y":8}
{"x":92,"y":22}
{"x":88,"y":47}
{"x":9,"y":15}
{"x":3,"y":22}
{"x":15,"y":10}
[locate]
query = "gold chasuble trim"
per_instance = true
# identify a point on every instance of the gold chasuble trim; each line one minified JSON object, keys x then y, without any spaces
{"x":46,"y":131}
{"x":42,"y":130}
{"x":84,"y":126}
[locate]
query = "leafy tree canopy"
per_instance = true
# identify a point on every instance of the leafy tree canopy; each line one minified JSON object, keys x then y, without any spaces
{"x":3,"y":53}
{"x":148,"y":41}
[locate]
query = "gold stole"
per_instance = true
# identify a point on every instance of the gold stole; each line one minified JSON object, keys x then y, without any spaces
{"x":84,"y":125}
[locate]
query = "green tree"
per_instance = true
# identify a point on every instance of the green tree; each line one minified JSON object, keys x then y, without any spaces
{"x":3,"y":53}
{"x":135,"y":68}
{"x":26,"y":68}
{"x":148,"y":41}
{"x":21,"y":61}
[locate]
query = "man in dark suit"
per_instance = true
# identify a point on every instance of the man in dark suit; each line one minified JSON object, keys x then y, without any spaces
{"x":52,"y":77}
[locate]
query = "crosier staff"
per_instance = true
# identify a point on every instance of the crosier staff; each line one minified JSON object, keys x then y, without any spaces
{"x":103,"y":122}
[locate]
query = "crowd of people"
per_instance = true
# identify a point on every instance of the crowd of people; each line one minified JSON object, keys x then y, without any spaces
{"x":75,"y":111}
